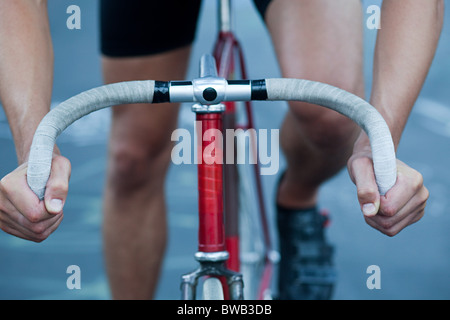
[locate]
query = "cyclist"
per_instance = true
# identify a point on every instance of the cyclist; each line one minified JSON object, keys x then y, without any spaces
{"x":318,"y":40}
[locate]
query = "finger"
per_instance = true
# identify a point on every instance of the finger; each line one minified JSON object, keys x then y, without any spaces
{"x":8,"y":223}
{"x":17,"y":224}
{"x":12,"y":231}
{"x":386,"y":225}
{"x":408,"y":190}
{"x":38,"y":233}
{"x":15,"y":189}
{"x":409,"y":214}
{"x":367,"y":189}
{"x":57,"y":185}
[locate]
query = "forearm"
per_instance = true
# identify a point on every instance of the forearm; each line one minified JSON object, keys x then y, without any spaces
{"x":405,"y":49}
{"x":26,"y":68}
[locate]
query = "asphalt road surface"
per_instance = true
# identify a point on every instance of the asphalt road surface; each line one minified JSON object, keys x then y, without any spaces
{"x":414,"y":265}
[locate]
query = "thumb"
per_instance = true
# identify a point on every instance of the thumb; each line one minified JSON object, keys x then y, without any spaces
{"x":57,"y":185}
{"x":367,"y":189}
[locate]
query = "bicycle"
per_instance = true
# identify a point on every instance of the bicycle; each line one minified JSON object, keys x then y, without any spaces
{"x":216,"y":94}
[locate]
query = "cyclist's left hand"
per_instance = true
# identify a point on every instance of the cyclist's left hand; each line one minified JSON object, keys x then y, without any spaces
{"x":402,"y":206}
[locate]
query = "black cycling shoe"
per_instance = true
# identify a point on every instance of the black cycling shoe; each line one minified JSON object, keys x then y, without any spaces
{"x":306,"y":268}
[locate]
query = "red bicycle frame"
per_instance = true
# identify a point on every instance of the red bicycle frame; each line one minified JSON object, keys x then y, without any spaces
{"x":218,"y":192}
{"x":218,"y":201}
{"x":211,"y":237}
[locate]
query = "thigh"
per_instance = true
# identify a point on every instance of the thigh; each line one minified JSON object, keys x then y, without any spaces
{"x":318,"y":40}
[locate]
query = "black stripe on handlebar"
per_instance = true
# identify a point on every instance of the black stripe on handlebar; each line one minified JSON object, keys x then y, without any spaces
{"x":259,"y":89}
{"x":161,"y":92}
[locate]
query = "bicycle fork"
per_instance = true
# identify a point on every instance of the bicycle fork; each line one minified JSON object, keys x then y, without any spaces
{"x":212,"y":264}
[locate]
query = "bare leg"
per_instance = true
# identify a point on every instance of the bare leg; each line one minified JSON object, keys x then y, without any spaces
{"x":139,"y":151}
{"x":318,"y":40}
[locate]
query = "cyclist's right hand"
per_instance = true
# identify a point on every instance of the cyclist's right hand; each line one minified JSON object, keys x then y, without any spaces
{"x":21,"y":212}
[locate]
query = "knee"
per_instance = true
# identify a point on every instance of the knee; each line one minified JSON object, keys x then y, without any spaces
{"x":133,"y":167}
{"x":323,"y":128}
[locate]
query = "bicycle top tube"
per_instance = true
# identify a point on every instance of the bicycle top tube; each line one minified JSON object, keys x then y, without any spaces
{"x":209,"y":91}
{"x":225,"y":15}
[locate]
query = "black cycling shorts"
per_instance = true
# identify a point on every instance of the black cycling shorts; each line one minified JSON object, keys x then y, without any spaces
{"x":145,"y":27}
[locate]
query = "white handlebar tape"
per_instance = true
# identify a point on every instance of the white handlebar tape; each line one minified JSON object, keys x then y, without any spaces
{"x":59,"y":118}
{"x":357,"y":109}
